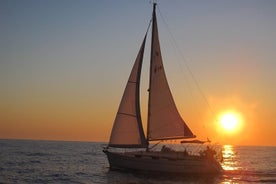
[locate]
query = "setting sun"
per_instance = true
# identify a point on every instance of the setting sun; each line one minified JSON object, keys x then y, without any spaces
{"x":230,"y":122}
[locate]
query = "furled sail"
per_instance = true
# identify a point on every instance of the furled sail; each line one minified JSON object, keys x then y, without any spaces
{"x":164,"y":120}
{"x":127,"y":131}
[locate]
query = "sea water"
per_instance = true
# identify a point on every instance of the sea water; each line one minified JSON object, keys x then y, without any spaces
{"x":27,"y":161}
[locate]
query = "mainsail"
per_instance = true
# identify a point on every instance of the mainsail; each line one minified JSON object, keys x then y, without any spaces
{"x":164,"y":120}
{"x":127,"y":131}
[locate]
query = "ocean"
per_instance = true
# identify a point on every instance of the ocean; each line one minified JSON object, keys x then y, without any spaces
{"x":28,"y":161}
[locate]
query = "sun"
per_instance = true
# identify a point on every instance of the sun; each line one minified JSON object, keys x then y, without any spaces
{"x":230,"y":121}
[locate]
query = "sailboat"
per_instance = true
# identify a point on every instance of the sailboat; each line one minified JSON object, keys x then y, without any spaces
{"x":163,"y":123}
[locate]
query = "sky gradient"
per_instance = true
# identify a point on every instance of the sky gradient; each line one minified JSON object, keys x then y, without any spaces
{"x":64,"y":65}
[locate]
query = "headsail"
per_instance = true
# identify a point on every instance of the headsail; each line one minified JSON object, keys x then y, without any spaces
{"x":164,"y":120}
{"x":127,"y":131}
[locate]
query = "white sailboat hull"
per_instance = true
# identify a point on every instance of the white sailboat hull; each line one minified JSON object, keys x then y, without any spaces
{"x":175,"y":163}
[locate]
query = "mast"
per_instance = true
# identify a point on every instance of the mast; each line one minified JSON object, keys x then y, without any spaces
{"x":150,"y":73}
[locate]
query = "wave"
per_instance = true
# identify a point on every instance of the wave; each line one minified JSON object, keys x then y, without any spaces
{"x":250,"y":176}
{"x":250,"y":173}
{"x":38,"y":154}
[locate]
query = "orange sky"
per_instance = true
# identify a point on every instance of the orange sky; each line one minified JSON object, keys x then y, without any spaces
{"x":94,"y":125}
{"x":63,"y":66}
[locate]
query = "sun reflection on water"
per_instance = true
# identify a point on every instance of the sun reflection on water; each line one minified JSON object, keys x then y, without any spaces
{"x":229,"y":158}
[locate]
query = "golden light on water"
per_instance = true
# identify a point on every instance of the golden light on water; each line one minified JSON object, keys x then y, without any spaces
{"x":228,"y":158}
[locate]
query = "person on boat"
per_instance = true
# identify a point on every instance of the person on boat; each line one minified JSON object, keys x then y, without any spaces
{"x":210,"y":153}
{"x":166,"y":149}
{"x":185,"y":152}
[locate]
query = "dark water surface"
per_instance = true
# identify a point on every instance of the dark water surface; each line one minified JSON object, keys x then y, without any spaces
{"x":25,"y":161}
